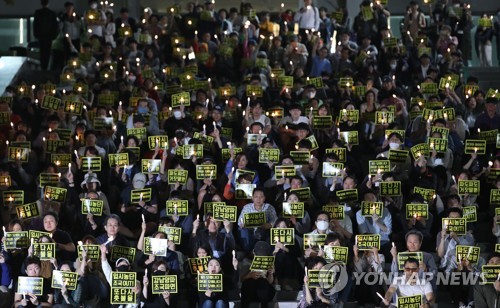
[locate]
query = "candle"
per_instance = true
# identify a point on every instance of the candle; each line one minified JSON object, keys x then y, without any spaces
{"x":140,"y":197}
{"x":110,"y":239}
{"x":4,"y":230}
{"x":381,"y":297}
{"x":305,"y":270}
{"x":143,"y":219}
{"x":284,"y":197}
{"x":234,"y":254}
{"x":204,"y":129}
{"x":121,"y":138}
{"x":76,"y":154}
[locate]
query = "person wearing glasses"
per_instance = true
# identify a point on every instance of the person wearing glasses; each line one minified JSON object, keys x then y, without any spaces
{"x":409,"y":285}
{"x":414,"y":240}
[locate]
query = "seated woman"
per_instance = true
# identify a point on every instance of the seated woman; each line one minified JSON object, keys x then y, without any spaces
{"x":286,"y":264}
{"x":368,"y":261}
{"x":170,"y":257}
{"x":210,"y":299}
{"x":64,"y":298}
{"x":240,"y":162}
{"x":314,"y":297}
{"x":165,"y":299}
{"x":46,"y":266}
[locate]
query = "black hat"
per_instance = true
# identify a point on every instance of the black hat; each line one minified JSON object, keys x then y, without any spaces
{"x":303,"y":126}
{"x":267,"y":140}
{"x":386,"y":78}
{"x":219,"y":108}
{"x":295,"y":106}
{"x":491,"y":100}
{"x":138,"y":118}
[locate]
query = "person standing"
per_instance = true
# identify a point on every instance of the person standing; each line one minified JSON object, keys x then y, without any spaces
{"x":308,"y":19}
{"x":46,"y":29}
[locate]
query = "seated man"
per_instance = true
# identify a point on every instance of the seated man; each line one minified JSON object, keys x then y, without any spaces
{"x":409,"y":285}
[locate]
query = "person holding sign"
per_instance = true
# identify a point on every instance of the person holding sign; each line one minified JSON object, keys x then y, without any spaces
{"x":112,"y":236}
{"x":170,"y":257}
{"x":314,"y":296}
{"x":447,"y":241}
{"x":132,"y":211}
{"x":64,"y":245}
{"x":301,"y":225}
{"x":248,"y":235}
{"x":66,"y":297}
{"x":413,"y":244}
{"x":257,"y":285}
{"x":240,"y":162}
{"x":158,"y":268}
{"x":486,"y":295}
{"x":209,"y":299}
{"x":221,"y":241}
{"x":286,"y":265}
{"x":376,"y":224}
{"x":419,"y":219}
{"x":410,"y":285}
{"x":45,"y":297}
{"x":230,"y":192}
{"x":366,"y":262}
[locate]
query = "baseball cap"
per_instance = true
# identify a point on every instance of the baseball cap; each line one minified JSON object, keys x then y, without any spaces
{"x":139,"y":181}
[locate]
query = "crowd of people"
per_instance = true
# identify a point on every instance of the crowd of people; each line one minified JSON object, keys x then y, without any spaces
{"x":208,"y":155}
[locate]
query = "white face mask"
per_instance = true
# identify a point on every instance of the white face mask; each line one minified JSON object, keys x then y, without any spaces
{"x":93,"y":6}
{"x":322,"y":225}
{"x":393,"y":66}
{"x":438,"y":161}
{"x":311,"y":94}
{"x":394,"y":145}
{"x":132,"y":78}
{"x":177,"y":114}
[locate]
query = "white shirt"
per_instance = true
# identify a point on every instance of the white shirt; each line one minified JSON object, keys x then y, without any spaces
{"x":309,"y":19}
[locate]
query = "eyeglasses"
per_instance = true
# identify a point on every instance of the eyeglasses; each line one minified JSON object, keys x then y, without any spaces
{"x":411,"y":269}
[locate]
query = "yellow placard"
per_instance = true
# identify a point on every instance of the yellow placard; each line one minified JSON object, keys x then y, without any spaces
{"x":471,"y":187}
{"x":369,"y":208}
{"x":27,"y":211}
{"x":68,"y":279}
{"x":92,"y":206}
{"x":164,"y":283}
{"x":295,"y":209}
{"x":415,"y":210}
{"x":32,"y":285}
{"x":212,"y":282}
{"x":457,"y":225}
{"x":262,"y":263}
{"x":285,"y":236}
{"x":368,"y":241}
{"x":403,"y":256}
{"x":255,"y":219}
{"x":222,"y":212}
{"x":93,"y":164}
{"x":137,"y":195}
{"x":44,"y":251}
{"x":173,"y":233}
